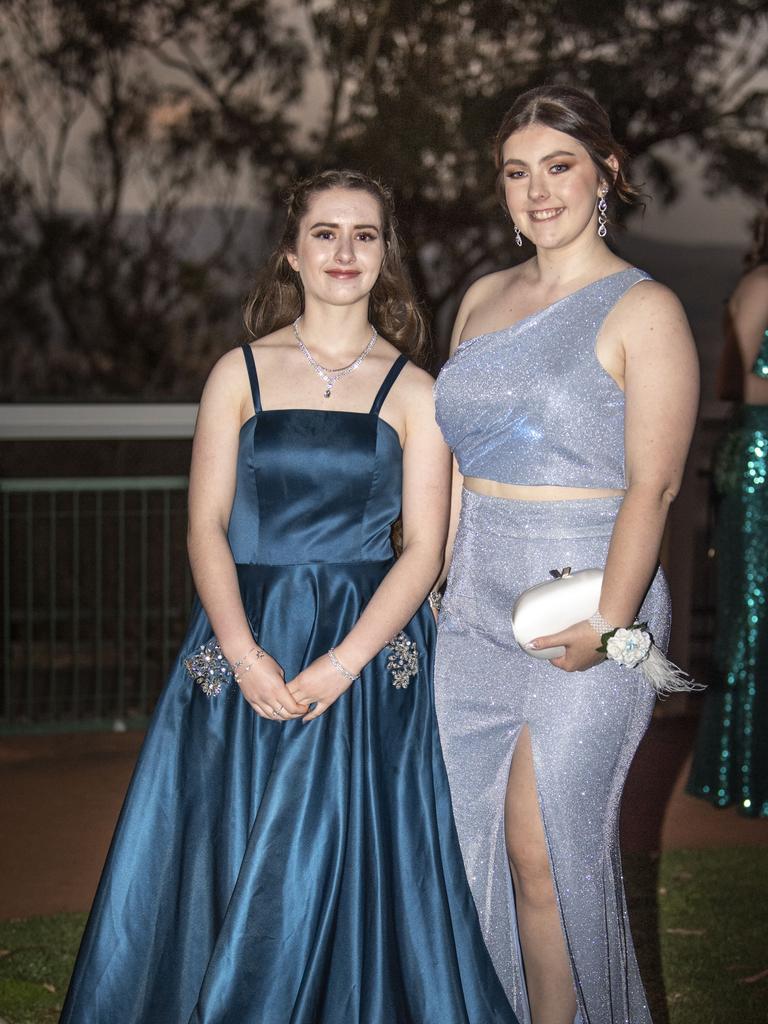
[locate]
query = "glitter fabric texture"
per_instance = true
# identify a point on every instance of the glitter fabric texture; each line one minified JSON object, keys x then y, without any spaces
{"x":730,"y":764}
{"x":530,"y":404}
{"x":584,"y":726}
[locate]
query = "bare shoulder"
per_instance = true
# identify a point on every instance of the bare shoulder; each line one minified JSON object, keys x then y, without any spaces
{"x":481,"y":295}
{"x":647,"y":307}
{"x":410,"y":403}
{"x":752,"y":289}
{"x":231,"y":370}
{"x":228,"y":370}
{"x":487,"y":289}
{"x":487,"y":286}
{"x":415,"y":381}
{"x":227,"y":389}
{"x":413,"y":389}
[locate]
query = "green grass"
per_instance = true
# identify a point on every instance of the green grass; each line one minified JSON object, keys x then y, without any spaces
{"x":701,"y":914}
{"x":701,"y":931}
{"x":36,"y":957}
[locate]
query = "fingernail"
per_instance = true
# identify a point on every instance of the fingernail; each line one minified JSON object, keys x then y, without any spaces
{"x":533,"y":645}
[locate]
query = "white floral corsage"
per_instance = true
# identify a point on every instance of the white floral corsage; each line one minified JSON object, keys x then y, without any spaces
{"x":627,"y":646}
{"x":633,"y":646}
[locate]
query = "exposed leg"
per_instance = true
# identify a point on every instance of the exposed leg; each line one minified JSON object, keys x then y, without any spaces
{"x":547,"y":966}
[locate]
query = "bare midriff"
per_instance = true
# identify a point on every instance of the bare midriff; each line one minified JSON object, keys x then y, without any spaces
{"x":516,"y":492}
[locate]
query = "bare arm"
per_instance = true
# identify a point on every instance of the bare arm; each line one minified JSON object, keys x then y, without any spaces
{"x":662,"y":391}
{"x":748,"y":311}
{"x":748,"y":308}
{"x":426,"y":476}
{"x":211,"y":492}
{"x":661,"y":386}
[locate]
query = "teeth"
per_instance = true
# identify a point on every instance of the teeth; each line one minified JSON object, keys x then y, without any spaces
{"x":544,"y":214}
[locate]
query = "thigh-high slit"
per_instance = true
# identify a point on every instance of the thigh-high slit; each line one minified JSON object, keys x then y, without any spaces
{"x":584,"y":728}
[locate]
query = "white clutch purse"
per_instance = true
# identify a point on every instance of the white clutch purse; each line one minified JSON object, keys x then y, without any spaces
{"x":557,"y":604}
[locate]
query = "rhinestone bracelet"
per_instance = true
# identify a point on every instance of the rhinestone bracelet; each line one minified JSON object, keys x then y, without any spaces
{"x":244,"y":664}
{"x":340,"y":668}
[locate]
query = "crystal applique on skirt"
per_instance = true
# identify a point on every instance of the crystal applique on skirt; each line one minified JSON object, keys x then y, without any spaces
{"x":209,"y":668}
{"x":403,"y":662}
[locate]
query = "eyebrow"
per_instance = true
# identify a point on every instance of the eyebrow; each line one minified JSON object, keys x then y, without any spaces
{"x":357,"y":227}
{"x":549,"y":156}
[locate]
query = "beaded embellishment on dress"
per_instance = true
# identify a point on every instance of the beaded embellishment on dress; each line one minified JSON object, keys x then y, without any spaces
{"x":403,"y":662}
{"x":209,"y":668}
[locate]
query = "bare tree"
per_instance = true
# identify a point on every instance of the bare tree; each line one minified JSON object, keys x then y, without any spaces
{"x":187,"y":109}
{"x":115,"y":120}
{"x":419,"y":89}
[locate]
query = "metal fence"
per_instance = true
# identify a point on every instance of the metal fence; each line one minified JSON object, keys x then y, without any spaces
{"x":96,"y":591}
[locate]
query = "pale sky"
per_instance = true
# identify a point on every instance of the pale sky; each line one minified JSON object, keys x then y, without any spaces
{"x":696,"y":217}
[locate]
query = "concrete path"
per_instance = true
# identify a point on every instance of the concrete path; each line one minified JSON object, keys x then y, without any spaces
{"x":61,"y":796}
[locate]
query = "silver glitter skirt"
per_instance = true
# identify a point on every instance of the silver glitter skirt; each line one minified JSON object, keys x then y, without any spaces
{"x":585,"y":728}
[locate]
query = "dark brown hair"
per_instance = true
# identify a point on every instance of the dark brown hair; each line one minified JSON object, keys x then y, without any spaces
{"x":575,"y":112}
{"x":277,"y":297}
{"x":758,"y":252}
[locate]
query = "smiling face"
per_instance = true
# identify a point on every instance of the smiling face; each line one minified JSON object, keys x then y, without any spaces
{"x":551,"y":185}
{"x":339,"y":248}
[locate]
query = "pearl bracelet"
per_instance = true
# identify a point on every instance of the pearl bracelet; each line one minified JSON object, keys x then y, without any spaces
{"x":340,"y":668}
{"x":600,"y":625}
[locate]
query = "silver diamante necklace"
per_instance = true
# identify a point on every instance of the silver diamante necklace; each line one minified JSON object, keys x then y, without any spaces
{"x":325,"y":373}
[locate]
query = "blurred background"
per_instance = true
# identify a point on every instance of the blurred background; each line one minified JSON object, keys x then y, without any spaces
{"x":144,"y":147}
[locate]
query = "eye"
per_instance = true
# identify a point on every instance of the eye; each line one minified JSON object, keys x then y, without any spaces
{"x":514,"y":174}
{"x":559,"y":168}
{"x":367,"y":236}
{"x":323,"y":234}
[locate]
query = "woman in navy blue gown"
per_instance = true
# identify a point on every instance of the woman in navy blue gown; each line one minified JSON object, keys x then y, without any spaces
{"x":286,"y":853}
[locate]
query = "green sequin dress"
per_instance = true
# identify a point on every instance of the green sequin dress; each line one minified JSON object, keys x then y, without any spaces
{"x":730,"y":763}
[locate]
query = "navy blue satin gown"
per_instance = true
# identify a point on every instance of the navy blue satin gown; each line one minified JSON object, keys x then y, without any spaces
{"x":268,"y":872}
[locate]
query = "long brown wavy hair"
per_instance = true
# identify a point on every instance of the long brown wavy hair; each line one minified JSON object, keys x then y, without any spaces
{"x":277,"y":297}
{"x":573,"y":111}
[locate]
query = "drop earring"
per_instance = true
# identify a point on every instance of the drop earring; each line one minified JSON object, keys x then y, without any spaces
{"x":602,"y":207}
{"x":518,"y":237}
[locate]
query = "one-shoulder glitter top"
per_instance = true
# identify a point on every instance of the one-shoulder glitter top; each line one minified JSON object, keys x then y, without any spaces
{"x":531,"y":405}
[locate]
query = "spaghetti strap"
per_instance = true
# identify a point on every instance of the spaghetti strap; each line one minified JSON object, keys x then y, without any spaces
{"x":389,"y":380}
{"x":251,"y":364}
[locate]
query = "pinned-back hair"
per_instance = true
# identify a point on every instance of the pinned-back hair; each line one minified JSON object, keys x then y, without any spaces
{"x":277,"y":297}
{"x":573,"y":111}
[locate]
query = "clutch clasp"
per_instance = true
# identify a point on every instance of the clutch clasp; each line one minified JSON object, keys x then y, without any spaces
{"x":560,"y":574}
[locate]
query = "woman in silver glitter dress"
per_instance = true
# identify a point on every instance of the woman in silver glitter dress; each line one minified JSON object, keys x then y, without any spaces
{"x":569,"y":402}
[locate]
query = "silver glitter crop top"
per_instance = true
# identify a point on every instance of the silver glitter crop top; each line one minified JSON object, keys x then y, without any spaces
{"x":531,"y":405}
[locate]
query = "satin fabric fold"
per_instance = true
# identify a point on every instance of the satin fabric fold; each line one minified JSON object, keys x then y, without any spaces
{"x":268,"y":872}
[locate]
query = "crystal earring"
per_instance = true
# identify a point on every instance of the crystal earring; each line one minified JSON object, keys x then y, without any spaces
{"x":518,"y":238}
{"x":602,"y":208}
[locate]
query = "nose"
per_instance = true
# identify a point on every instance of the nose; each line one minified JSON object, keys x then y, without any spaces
{"x":345,"y":251}
{"x":537,"y":187}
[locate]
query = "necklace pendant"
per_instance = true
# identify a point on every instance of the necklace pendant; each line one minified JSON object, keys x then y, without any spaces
{"x":327,"y":393}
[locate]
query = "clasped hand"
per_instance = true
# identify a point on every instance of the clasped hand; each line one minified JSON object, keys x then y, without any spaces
{"x":580,"y":642}
{"x":263,"y":686}
{"x":319,"y":684}
{"x":265,"y":689}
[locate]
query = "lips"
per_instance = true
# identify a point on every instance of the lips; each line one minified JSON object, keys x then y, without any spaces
{"x":343,"y":275}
